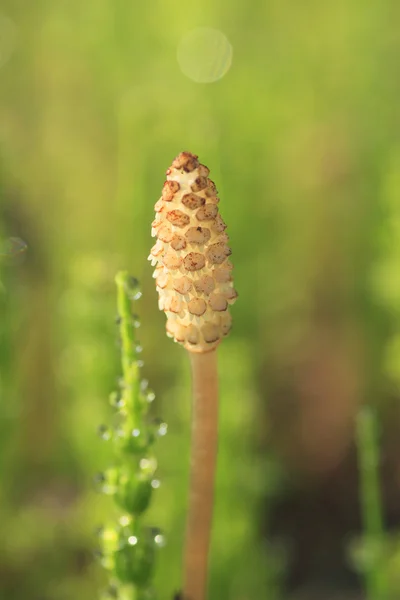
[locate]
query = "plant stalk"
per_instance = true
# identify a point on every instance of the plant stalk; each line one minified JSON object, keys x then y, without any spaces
{"x":371,"y":501}
{"x":202,"y":473}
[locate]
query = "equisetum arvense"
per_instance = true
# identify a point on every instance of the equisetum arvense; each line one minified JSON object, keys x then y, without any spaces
{"x":194,"y":282}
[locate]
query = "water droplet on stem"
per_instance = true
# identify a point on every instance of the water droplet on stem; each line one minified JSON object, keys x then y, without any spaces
{"x":104,"y":432}
{"x":132,"y":287}
{"x":135,"y":321}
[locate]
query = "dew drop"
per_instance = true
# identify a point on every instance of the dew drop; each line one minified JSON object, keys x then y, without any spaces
{"x":138,"y":349}
{"x":160,"y":540}
{"x":144,"y":385}
{"x":116,"y":400}
{"x":155,"y":484}
{"x":160,"y":426}
{"x":157,"y":535}
{"x":107,"y":482}
{"x":132,"y":540}
{"x":135,"y":321}
{"x":99,"y":480}
{"x":133,"y":288}
{"x":104,"y":432}
{"x":162,"y":430}
{"x":148,"y":465}
{"x":124,"y":520}
{"x":132,"y":440}
{"x":150,"y":396}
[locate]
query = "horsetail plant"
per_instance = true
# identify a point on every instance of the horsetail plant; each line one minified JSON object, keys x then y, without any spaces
{"x":128,"y":548}
{"x":367,"y":438}
{"x":194,"y":282}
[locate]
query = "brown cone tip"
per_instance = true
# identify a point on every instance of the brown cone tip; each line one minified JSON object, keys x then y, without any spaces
{"x":193,"y":274}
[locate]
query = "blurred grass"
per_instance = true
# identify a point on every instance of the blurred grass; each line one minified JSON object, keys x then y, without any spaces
{"x":301,"y":137}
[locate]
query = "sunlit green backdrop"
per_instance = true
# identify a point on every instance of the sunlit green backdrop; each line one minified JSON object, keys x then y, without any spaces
{"x":302,"y":138}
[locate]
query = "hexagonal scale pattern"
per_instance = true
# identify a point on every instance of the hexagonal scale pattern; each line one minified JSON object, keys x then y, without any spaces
{"x":193,"y":274}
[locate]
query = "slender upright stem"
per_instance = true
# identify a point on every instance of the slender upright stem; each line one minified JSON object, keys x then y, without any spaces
{"x":202,"y":473}
{"x":371,"y":502}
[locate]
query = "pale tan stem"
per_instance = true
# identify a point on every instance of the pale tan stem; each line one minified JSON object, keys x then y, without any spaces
{"x":202,"y":473}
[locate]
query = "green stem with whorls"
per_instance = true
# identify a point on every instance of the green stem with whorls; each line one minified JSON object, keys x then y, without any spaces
{"x":127,"y":547}
{"x":371,"y":502}
{"x":130,"y":365}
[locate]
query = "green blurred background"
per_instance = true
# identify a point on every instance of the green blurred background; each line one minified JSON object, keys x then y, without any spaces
{"x":302,"y":138}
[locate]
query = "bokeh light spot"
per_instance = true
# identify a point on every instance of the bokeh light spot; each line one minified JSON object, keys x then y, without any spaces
{"x":7,"y":38}
{"x":204,"y":55}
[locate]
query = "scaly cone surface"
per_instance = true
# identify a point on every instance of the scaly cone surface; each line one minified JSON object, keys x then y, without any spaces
{"x":193,"y":274}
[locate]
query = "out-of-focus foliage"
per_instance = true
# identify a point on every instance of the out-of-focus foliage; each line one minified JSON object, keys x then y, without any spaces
{"x":301,"y":136}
